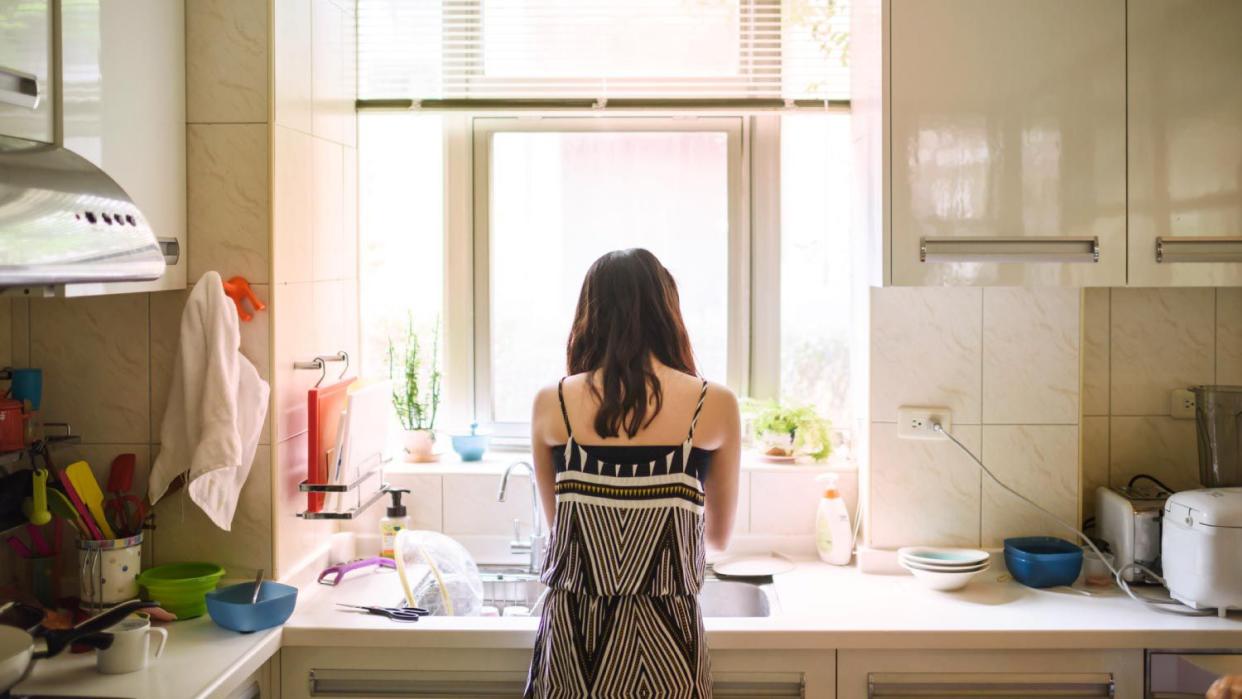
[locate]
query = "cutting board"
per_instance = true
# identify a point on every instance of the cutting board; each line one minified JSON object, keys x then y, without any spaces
{"x":369,"y":415}
{"x":325,"y":404}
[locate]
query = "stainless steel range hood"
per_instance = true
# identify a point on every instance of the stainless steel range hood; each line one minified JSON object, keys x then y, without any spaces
{"x":63,"y":221}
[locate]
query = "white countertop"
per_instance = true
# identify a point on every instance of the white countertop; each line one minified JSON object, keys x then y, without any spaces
{"x":201,"y":661}
{"x":821,"y":606}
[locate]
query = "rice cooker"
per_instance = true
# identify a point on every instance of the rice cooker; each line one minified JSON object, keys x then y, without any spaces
{"x":1202,"y":548}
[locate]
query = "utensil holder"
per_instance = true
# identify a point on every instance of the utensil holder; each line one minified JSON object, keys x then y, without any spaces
{"x":108,"y":570}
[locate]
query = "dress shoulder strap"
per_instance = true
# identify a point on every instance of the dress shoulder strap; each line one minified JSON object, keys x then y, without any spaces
{"x":694,"y":421}
{"x":560,"y":394}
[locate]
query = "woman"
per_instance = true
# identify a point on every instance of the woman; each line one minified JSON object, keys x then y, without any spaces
{"x":636,"y":461}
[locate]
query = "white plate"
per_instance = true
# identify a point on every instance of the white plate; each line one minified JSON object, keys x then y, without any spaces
{"x":944,"y":582}
{"x":942,"y":569}
{"x":753,"y":566}
{"x":943,"y":556}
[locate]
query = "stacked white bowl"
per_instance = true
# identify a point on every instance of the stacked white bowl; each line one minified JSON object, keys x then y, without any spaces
{"x":943,"y":568}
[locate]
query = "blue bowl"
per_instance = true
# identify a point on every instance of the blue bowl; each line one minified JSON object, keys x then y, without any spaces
{"x":470,"y":447}
{"x":1043,"y":561}
{"x":230,"y":606}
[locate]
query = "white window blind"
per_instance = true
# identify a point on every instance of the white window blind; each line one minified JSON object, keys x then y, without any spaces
{"x":603,"y":49}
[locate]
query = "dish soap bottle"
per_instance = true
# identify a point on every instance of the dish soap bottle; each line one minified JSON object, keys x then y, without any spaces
{"x":834,"y":538}
{"x":393,"y":521}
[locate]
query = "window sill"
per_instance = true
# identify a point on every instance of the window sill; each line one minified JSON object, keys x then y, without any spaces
{"x":495,"y":462}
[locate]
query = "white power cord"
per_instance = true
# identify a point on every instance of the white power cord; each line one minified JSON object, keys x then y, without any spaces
{"x":1168,"y":606}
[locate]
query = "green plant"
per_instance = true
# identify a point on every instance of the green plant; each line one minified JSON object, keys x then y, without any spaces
{"x":811,"y":434}
{"x":415,"y":409}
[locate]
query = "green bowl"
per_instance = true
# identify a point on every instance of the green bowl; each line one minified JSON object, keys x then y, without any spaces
{"x":181,"y":588}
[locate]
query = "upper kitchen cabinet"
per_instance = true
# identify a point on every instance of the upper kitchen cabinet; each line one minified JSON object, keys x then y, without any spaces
{"x":1007,"y":145}
{"x":1185,"y":140}
{"x":124,"y":110}
{"x":26,"y":101}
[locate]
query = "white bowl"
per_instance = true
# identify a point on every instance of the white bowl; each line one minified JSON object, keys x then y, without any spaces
{"x":949,"y":557}
{"x":943,"y":581}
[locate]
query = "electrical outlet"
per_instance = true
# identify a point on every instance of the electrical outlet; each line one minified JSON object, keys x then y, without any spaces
{"x":1182,"y":404}
{"x":916,"y":422}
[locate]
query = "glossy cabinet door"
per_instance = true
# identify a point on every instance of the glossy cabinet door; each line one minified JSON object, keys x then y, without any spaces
{"x":1185,"y":109}
{"x":1007,"y":120}
{"x":26,"y":109}
{"x":124,"y":110}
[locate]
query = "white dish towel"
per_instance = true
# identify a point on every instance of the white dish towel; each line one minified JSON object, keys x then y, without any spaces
{"x":216,"y":406}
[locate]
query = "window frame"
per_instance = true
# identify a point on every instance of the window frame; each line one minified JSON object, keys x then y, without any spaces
{"x":740,"y":240}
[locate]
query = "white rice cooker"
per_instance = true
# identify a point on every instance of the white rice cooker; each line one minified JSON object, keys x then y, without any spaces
{"x":1202,"y":548}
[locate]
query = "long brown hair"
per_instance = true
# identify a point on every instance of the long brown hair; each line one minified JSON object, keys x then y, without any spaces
{"x":628,"y":314}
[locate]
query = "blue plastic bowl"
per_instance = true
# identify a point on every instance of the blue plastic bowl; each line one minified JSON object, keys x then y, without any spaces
{"x":230,"y":606}
{"x":470,"y":447}
{"x":1043,"y":561}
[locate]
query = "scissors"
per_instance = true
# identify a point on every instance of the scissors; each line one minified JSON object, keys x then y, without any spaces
{"x":406,"y":614}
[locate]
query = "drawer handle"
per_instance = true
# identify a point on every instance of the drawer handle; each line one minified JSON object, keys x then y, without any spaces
{"x":1198,"y":249}
{"x":18,"y":88}
{"x":1012,"y":249}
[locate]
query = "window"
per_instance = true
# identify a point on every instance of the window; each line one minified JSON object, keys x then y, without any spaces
{"x":558,"y":193}
{"x":750,"y":213}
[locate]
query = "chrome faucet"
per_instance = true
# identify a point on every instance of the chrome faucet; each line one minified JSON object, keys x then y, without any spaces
{"x":534,"y":546}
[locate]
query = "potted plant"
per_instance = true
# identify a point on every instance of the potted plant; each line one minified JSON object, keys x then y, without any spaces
{"x":416,"y":408}
{"x":784,"y":433}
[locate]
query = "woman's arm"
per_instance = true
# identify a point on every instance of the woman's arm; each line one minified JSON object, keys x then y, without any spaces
{"x":722,"y":474}
{"x":542,"y":434}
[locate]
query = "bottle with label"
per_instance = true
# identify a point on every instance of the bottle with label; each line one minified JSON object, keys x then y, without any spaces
{"x":394,"y":520}
{"x":834,"y":537}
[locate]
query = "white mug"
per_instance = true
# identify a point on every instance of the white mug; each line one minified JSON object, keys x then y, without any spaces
{"x":131,"y":646}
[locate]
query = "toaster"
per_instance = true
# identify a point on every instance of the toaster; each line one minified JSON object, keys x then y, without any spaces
{"x":1203,"y":548}
{"x":1129,"y":522}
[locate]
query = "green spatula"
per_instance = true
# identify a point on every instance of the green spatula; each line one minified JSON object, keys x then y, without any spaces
{"x":87,"y":488}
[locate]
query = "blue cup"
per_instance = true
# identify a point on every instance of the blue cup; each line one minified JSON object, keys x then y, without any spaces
{"x":27,"y":385}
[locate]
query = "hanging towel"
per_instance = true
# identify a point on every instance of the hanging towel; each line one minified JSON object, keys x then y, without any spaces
{"x":216,"y":406}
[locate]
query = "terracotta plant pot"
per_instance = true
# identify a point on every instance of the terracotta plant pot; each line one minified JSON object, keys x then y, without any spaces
{"x":419,"y":446}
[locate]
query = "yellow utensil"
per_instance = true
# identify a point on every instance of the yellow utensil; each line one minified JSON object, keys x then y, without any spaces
{"x":38,"y":511}
{"x":87,"y":488}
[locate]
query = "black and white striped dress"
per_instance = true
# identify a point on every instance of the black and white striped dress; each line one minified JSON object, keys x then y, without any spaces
{"x":624,"y":568}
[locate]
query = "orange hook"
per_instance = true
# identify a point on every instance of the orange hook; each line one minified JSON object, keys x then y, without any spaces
{"x":238,"y":288}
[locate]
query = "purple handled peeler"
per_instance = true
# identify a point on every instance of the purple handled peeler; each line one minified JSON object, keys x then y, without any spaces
{"x":332,"y":574}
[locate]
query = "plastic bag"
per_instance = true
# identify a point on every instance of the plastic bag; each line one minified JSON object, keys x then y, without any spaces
{"x":453,"y":588}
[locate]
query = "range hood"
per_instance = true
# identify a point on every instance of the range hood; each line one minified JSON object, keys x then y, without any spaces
{"x":63,"y":221}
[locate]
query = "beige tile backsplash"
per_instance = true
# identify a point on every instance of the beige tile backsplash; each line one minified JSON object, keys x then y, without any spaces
{"x":228,"y":200}
{"x":1030,"y":356}
{"x":1159,"y":340}
{"x":226,"y":61}
{"x":1039,"y":461}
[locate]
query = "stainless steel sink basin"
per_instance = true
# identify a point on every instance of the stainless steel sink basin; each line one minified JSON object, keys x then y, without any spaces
{"x":508,"y":587}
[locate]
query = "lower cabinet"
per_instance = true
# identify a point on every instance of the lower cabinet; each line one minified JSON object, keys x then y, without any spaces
{"x":989,"y":674}
{"x":416,"y":672}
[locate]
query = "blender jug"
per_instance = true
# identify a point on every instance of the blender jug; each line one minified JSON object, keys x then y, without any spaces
{"x":1218,"y":422}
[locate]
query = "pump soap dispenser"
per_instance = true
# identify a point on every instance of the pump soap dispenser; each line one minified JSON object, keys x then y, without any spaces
{"x":393,"y":521}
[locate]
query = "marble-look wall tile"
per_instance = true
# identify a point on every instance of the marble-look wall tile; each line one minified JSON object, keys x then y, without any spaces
{"x":226,"y":61}
{"x":741,"y":516}
{"x":1229,"y":337}
{"x":1162,"y":339}
{"x":19,"y":338}
{"x":333,"y":72}
{"x":350,"y":216}
{"x":295,"y":538}
{"x":292,"y":51}
{"x":184,"y":533}
{"x":1157,"y":446}
{"x":334,"y":256}
{"x":1095,"y":351}
{"x":922,"y":492}
{"x":228,"y":200}
{"x":1030,"y":356}
{"x":294,"y":339}
{"x":6,"y":332}
{"x":783,"y":503}
{"x":1039,"y":461}
{"x":336,"y":317}
{"x":926,"y":349}
{"x":293,"y":208}
{"x":1094,"y":460}
{"x":95,"y":361}
{"x":470,"y":506}
{"x":424,"y":504}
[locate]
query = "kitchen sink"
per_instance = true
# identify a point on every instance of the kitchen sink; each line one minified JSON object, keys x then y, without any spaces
{"x":507,"y":587}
